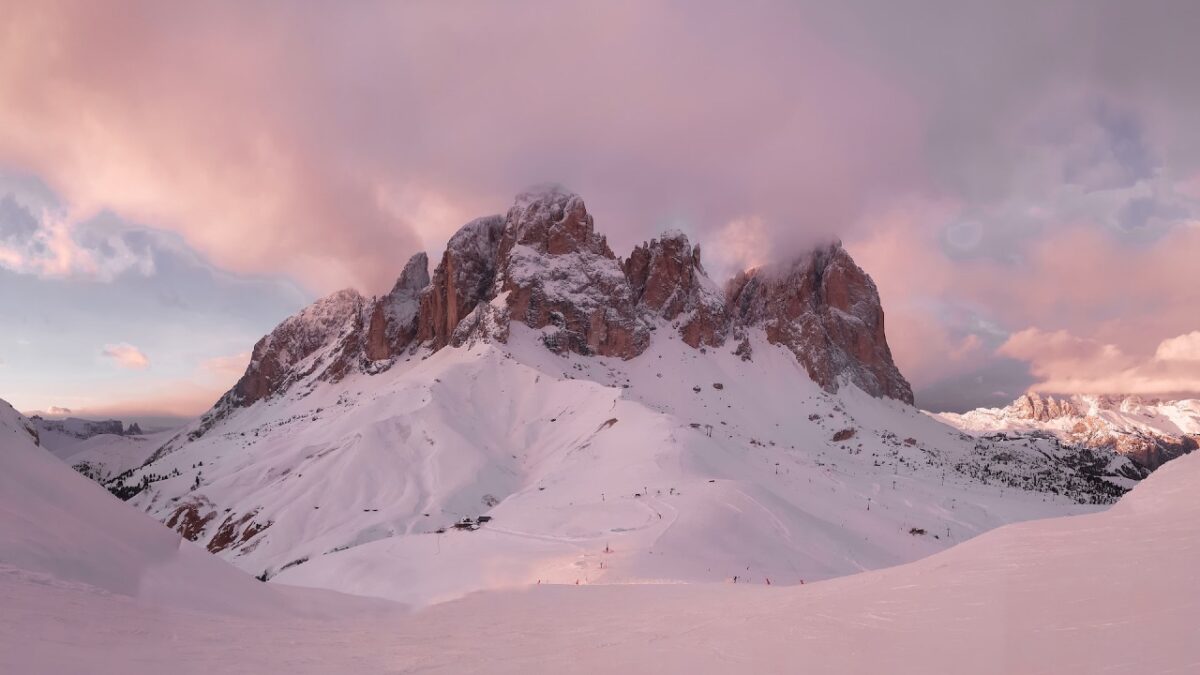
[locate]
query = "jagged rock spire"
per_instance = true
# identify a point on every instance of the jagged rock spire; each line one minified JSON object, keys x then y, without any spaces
{"x":826,"y":310}
{"x":543,"y":264}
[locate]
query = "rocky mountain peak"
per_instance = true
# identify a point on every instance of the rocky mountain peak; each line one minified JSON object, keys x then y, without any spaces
{"x":415,"y":275}
{"x":551,"y":219}
{"x":543,"y":264}
{"x":559,"y":274}
{"x":1032,"y":406}
{"x":826,"y":310}
{"x":298,"y":346}
{"x":668,"y":279}
{"x":462,"y":279}
{"x":393,"y":318}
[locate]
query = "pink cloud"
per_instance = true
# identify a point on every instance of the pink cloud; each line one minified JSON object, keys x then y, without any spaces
{"x":1069,"y":364}
{"x":126,"y":356}
{"x":1072,"y":280}
{"x":226,"y":367}
{"x":1182,"y":348}
{"x":175,"y":399}
{"x":331,"y":164}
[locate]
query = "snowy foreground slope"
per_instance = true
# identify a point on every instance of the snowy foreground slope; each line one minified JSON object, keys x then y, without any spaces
{"x":58,"y":527}
{"x":356,"y":486}
{"x":1113,"y":592}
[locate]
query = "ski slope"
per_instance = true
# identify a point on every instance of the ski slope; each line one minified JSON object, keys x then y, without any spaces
{"x":590,"y":470}
{"x":1112,"y":592}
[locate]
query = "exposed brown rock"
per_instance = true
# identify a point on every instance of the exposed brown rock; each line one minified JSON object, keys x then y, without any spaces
{"x":1153,"y":451}
{"x":667,"y":279}
{"x":543,"y":264}
{"x":461,"y":280}
{"x":843,"y":435}
{"x":1032,"y":406}
{"x":826,"y":310}
{"x":393,"y":323}
{"x":236,"y":532}
{"x":559,"y":273}
{"x":187,"y":519}
{"x":284,"y":354}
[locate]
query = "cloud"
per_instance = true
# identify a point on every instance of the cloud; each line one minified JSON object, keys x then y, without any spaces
{"x":1073,"y":279}
{"x":126,"y":356}
{"x":410,"y":119}
{"x":1182,"y":348}
{"x":48,"y":246}
{"x":227,"y":367}
{"x":1064,"y":363}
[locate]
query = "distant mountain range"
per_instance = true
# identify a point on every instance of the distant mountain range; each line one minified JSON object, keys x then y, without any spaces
{"x":1148,"y":431}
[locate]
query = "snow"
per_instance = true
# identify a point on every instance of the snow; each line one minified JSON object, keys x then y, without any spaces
{"x":570,"y":455}
{"x":1112,"y":592}
{"x":104,"y":456}
{"x":474,"y":240}
{"x":1126,"y":414}
{"x":314,"y":330}
{"x":571,"y":278}
{"x":56,"y":523}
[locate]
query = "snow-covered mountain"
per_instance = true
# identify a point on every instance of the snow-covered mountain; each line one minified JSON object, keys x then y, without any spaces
{"x":539,"y":410}
{"x":60,"y":436}
{"x":99,"y":449}
{"x":1148,"y":431}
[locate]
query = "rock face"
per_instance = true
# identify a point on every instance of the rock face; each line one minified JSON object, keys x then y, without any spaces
{"x":559,"y":273}
{"x":393,"y":323}
{"x":83,"y":429}
{"x":667,"y":279}
{"x":1031,"y":406}
{"x":299,"y":346}
{"x":1154,"y":451}
{"x":543,"y":264}
{"x":826,"y":310}
{"x":461,"y":280}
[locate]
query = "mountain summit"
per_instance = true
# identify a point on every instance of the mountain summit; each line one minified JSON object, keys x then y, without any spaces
{"x":545,"y":265}
{"x":540,"y":409}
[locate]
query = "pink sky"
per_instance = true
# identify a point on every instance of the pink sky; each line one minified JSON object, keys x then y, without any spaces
{"x":1021,"y":181}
